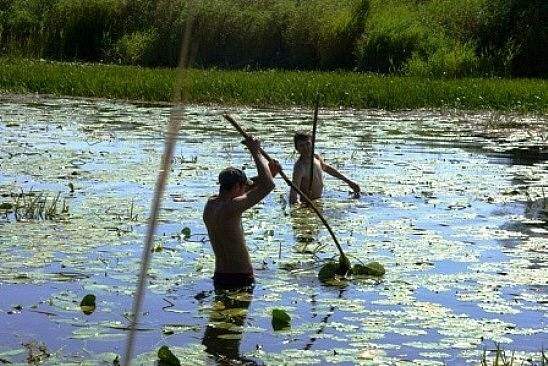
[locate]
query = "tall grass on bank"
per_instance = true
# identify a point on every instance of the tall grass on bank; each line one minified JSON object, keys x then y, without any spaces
{"x":274,"y":88}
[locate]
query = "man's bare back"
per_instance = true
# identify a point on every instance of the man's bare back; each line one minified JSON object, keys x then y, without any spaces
{"x":223,"y":218}
{"x":224,"y":227}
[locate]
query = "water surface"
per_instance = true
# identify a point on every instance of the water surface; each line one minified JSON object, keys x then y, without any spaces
{"x":454,"y":206}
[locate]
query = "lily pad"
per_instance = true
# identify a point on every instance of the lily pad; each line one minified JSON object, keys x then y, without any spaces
{"x":167,"y":358}
{"x":88,"y":304}
{"x":370,"y":269}
{"x":6,"y":206}
{"x":280,"y":319}
{"x":328,"y":271}
{"x":186,"y":232}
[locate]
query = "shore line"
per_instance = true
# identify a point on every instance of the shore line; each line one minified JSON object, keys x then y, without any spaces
{"x":274,"y":88}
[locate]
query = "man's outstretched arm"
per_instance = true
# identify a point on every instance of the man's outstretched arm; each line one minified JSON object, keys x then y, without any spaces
{"x":274,"y":167}
{"x":335,"y":173}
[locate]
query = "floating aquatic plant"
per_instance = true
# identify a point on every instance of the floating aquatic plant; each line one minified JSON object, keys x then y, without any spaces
{"x":186,"y":232}
{"x":167,"y":358}
{"x":280,"y":319}
{"x":370,"y":269}
{"x":88,"y":304}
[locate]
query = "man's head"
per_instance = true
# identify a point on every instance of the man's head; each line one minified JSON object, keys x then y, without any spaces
{"x":233,"y":180}
{"x":303,"y":142}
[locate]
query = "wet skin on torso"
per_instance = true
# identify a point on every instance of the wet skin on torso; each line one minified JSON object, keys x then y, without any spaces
{"x":224,"y":226}
{"x":303,"y":166}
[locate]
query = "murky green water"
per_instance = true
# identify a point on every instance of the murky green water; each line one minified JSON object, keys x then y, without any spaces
{"x":454,"y":207}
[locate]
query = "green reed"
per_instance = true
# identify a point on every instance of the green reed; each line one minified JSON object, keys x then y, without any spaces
{"x":274,"y":88}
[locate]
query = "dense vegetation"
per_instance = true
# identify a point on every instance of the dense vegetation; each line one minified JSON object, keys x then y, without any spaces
{"x":415,"y":37}
{"x":279,"y":88}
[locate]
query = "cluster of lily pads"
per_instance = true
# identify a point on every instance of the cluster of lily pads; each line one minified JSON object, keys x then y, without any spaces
{"x":332,"y":272}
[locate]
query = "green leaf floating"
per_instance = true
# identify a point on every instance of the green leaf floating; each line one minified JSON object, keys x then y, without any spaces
{"x":280,"y":319}
{"x":167,"y":358}
{"x":370,"y":269}
{"x":328,"y":271}
{"x":186,"y":232}
{"x":6,"y":206}
{"x":88,"y":304}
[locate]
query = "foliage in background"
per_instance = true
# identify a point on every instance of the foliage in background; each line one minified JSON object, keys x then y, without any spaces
{"x":433,"y":38}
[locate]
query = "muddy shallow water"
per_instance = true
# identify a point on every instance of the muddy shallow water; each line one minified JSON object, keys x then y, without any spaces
{"x":454,"y":206}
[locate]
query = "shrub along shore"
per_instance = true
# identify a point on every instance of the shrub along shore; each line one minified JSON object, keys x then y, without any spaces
{"x":273,"y":88}
{"x":427,"y":38}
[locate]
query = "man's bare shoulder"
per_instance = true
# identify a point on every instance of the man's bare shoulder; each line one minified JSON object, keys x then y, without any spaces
{"x":220,"y":206}
{"x":211,"y":201}
{"x":211,"y":204}
{"x":213,"y":198}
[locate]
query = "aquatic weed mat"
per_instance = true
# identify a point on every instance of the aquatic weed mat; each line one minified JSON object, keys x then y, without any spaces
{"x":454,"y":206}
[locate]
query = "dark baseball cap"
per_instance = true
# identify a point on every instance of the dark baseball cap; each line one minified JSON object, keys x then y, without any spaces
{"x":230,"y":176}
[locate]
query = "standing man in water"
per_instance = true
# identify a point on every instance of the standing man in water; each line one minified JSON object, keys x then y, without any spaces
{"x":301,"y":171}
{"x":223,"y":218}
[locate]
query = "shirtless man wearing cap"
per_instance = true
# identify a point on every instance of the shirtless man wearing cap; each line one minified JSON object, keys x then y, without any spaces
{"x":223,"y":218}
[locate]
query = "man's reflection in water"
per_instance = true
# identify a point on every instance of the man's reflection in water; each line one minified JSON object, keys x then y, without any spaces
{"x":226,"y":322}
{"x":306,"y":228}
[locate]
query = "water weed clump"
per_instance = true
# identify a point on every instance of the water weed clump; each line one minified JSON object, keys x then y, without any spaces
{"x":274,"y":87}
{"x":33,"y":205}
{"x":331,"y":271}
{"x":501,"y":357}
{"x":280,"y":319}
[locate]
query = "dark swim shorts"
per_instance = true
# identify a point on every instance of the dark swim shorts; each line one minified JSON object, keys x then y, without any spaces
{"x":232,"y":280}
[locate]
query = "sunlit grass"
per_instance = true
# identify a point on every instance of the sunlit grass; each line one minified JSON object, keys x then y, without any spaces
{"x":273,"y":88}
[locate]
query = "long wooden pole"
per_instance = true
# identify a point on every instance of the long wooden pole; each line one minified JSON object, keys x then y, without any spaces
{"x":314,"y":127}
{"x":290,"y":183}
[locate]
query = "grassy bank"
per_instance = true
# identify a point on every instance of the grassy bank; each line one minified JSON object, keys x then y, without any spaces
{"x":274,"y":88}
